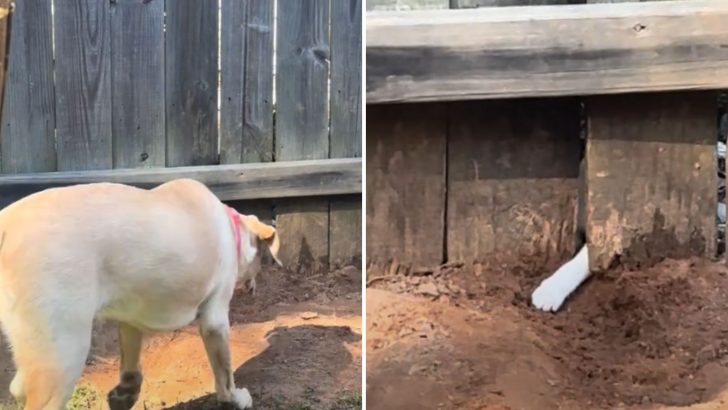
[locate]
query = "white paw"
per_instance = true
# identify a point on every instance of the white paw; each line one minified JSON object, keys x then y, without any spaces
{"x":549,"y":295}
{"x":242,"y":398}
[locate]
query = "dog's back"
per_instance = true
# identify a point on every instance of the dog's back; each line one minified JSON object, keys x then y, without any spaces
{"x":144,"y":257}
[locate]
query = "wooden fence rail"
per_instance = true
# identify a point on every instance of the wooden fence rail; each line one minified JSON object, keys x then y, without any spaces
{"x":229,"y":182}
{"x":537,"y":51}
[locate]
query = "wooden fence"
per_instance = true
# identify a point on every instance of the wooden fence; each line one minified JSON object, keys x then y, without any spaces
{"x":211,"y":89}
{"x":474,"y":156}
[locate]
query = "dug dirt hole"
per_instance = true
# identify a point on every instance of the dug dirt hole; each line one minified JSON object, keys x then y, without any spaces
{"x":653,"y":338}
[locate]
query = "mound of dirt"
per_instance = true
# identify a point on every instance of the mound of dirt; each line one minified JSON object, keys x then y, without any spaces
{"x":640,"y":339}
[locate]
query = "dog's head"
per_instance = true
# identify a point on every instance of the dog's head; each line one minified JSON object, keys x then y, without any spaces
{"x":254,"y":236}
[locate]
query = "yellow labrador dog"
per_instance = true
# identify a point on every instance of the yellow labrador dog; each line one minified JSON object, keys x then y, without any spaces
{"x":148,"y":259}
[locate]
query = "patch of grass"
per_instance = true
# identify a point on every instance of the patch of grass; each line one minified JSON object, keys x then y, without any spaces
{"x":10,"y":406}
{"x":347,"y":401}
{"x":84,"y":398}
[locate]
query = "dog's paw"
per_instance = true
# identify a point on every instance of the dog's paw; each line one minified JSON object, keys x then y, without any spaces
{"x":242,"y":399}
{"x":122,"y":398}
{"x":126,"y":393}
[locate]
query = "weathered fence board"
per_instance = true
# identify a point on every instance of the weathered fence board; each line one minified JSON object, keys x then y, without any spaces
{"x":137,"y":80}
{"x":512,"y":181}
{"x":509,"y":52}
{"x":467,"y":4}
{"x":406,"y":4}
{"x":230,"y":182}
{"x":232,"y":61}
{"x":405,"y":203}
{"x":28,"y":118}
{"x":191,"y":53}
{"x":345,"y":240}
{"x":246,"y":115}
{"x":302,"y":122}
{"x":83,"y":84}
{"x":651,"y":178}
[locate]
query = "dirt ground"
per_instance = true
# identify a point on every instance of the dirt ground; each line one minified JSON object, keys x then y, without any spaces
{"x":462,"y":338}
{"x":295,"y":345}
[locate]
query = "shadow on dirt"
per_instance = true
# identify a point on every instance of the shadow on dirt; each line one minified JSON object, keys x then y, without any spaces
{"x":300,"y":362}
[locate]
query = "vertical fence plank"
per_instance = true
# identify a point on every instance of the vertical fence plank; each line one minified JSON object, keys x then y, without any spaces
{"x":302,"y":122}
{"x":651,"y":178}
{"x":246,"y":123}
{"x":28,"y":127}
{"x":232,"y":75}
{"x":346,"y":49}
{"x":232,"y":61}
{"x":512,"y":187}
{"x":258,"y":91}
{"x":83,"y":88}
{"x":137,"y":78}
{"x":406,"y":151}
{"x":191,"y":51}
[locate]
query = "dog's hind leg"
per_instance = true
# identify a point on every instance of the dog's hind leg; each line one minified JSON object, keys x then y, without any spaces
{"x":126,"y":393}
{"x":50,"y":354}
{"x":17,"y":389}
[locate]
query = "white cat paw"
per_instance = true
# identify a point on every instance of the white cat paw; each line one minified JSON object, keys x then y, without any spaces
{"x":549,"y":295}
{"x":242,"y":399}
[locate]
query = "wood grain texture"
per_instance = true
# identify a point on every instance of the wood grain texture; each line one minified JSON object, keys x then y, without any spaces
{"x":82,"y":84}
{"x":240,"y":181}
{"x":29,"y":116}
{"x":546,"y":51}
{"x":246,"y":114}
{"x":345,"y":231}
{"x":302,"y":118}
{"x":469,"y":4}
{"x":232,"y":76}
{"x":302,"y":121}
{"x":304,"y":225}
{"x":191,"y":52}
{"x":406,"y":4}
{"x":137,"y":78}
{"x":345,"y":237}
{"x":512,"y":191}
{"x":405,"y":202}
{"x":346,"y":69}
{"x":6,"y":8}
{"x":651,"y":178}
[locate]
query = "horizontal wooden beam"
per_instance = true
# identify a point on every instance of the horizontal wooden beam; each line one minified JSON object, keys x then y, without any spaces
{"x":533,"y":51}
{"x":228,"y":182}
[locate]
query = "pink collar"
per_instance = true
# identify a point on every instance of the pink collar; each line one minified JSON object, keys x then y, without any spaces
{"x":235,"y":220}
